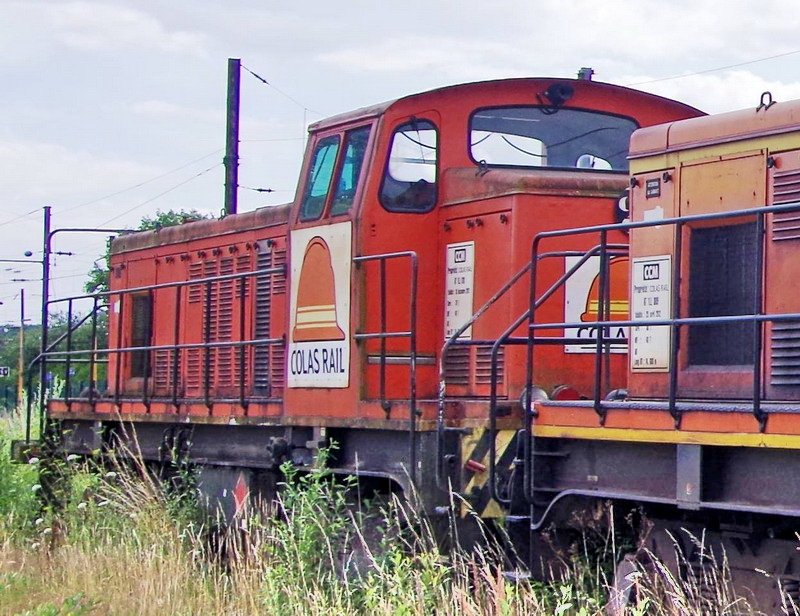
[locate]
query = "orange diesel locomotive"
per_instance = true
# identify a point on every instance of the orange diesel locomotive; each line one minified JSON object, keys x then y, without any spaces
{"x":385,"y":308}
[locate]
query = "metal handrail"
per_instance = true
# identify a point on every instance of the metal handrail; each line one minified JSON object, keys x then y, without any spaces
{"x":384,"y":335}
{"x":505,"y":338}
{"x":502,"y":340}
{"x":103,"y":299}
{"x":674,"y":322}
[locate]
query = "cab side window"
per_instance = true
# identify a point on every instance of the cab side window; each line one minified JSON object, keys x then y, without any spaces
{"x":319,"y":178}
{"x":355,"y":147}
{"x":409,"y":181}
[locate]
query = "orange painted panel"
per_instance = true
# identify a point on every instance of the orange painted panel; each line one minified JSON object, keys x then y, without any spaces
{"x":723,"y":184}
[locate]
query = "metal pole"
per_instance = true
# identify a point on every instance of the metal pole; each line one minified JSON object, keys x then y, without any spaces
{"x":45,"y":314}
{"x":21,"y":364}
{"x":93,"y":356}
{"x":231,"y":159}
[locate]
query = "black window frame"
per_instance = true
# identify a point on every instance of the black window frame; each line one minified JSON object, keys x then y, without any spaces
{"x":548,"y":112}
{"x":141,"y":334}
{"x":722,"y":283}
{"x":431,"y":187}
{"x":302,"y":214}
{"x":336,"y":183}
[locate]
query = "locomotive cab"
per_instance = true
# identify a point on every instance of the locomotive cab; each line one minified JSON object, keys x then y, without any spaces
{"x":453,"y":185}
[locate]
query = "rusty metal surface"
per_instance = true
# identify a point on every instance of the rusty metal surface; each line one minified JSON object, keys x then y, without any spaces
{"x":780,"y":118}
{"x":107,"y":411}
{"x":462,"y":185}
{"x":202,"y":229}
{"x":268,"y":414}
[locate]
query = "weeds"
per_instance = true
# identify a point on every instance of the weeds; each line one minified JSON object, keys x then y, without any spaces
{"x":123,"y":543}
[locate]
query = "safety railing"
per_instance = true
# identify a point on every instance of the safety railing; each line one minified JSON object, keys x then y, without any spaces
{"x":456,"y":340}
{"x":383,"y":335}
{"x":676,"y":324}
{"x":96,"y":354}
{"x":506,"y":338}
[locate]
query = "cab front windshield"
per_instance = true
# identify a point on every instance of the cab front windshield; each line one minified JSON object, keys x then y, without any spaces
{"x":547,"y":137}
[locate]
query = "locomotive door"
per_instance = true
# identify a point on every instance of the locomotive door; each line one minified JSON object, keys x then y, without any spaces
{"x":718,"y":275}
{"x":399,"y":217}
{"x":320,"y":380}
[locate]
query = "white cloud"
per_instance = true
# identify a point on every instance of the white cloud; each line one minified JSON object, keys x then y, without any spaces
{"x":96,"y":26}
{"x":94,"y":86}
{"x":39,"y":173}
{"x":413,"y":53}
{"x":30,"y":28}
{"x":164,"y":110}
{"x":434,"y":60}
{"x":716,"y":93}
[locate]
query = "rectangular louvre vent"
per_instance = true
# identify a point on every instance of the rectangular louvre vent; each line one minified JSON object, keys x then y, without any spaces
{"x":262,"y":376}
{"x":162,"y":371}
{"x":195,"y":290}
{"x":276,"y":373}
{"x":212,"y":366}
{"x":785,"y":226}
{"x":786,"y":187}
{"x":224,"y":324}
{"x":209,"y":292}
{"x":456,"y":367}
{"x":193,"y":363}
{"x":785,"y":366}
{"x":483,"y":365}
{"x":243,"y":264}
{"x":279,"y":260}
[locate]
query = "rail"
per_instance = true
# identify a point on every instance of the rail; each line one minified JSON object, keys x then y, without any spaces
{"x":674,"y":321}
{"x":96,"y":354}
{"x":504,"y":339}
{"x":383,"y":335}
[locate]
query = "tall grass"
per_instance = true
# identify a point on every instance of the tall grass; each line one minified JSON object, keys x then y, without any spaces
{"x":122,"y":544}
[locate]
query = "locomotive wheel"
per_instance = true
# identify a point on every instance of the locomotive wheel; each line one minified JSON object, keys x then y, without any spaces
{"x":623,"y":592}
{"x":708,"y":569}
{"x":363,"y":543}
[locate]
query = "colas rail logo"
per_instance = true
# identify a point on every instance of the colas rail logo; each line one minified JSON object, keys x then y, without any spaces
{"x":315,"y":315}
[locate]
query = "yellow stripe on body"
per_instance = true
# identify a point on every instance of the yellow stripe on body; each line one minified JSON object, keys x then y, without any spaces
{"x":315,"y":308}
{"x":620,"y":307}
{"x":681,"y":437}
{"x":312,"y":317}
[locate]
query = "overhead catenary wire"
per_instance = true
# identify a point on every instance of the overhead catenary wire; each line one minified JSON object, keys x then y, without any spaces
{"x":145,"y":182}
{"x":161,"y":194}
{"x":714,"y":70}
{"x":281,"y":92}
{"x":16,"y":218}
{"x":118,"y":192}
{"x":263,"y":190}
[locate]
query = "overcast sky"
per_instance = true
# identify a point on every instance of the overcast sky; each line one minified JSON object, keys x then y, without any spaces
{"x":113,"y":109}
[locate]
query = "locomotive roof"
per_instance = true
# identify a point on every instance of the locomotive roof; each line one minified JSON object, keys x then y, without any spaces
{"x":255,"y":219}
{"x":709,"y":130}
{"x":480,"y":93}
{"x":476,"y":88}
